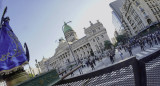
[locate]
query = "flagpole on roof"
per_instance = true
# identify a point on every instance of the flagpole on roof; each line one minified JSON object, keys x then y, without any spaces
{"x":4,"y":12}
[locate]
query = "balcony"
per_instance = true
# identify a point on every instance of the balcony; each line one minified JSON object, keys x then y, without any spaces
{"x":154,"y":13}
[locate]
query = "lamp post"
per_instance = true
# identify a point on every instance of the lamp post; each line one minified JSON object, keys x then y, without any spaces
{"x":68,"y":43}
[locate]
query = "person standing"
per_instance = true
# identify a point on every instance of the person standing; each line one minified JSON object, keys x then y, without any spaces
{"x":72,"y":74}
{"x":91,"y":64}
{"x":141,"y":45}
{"x":124,"y":46}
{"x":158,"y":37}
{"x":94,"y":61}
{"x":155,"y":40}
{"x":111,"y":57}
{"x":87,"y":62}
{"x":150,"y":42}
{"x":121,"y":54}
{"x":130,"y":50}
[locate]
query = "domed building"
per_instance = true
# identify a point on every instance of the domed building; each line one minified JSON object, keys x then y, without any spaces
{"x":69,"y":33}
{"x":91,"y":43}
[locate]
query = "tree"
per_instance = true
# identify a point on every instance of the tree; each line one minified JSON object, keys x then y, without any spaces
{"x":107,"y":44}
{"x":31,"y":75}
{"x":121,"y":38}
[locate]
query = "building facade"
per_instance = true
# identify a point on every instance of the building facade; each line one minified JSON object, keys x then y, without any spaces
{"x":117,"y":16}
{"x":114,"y":41}
{"x":43,"y":65}
{"x":33,"y":71}
{"x":138,"y":15}
{"x":92,"y":42}
{"x":117,"y":24}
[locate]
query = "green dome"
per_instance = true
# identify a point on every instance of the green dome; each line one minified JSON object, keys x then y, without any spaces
{"x":67,"y":28}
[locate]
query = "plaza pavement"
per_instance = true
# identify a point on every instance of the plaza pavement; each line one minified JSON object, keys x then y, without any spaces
{"x":106,"y":61}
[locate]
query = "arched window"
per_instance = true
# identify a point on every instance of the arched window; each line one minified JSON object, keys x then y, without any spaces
{"x":102,"y":36}
{"x":149,"y":21}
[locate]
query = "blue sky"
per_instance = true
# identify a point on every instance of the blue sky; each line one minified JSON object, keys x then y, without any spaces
{"x":39,"y":22}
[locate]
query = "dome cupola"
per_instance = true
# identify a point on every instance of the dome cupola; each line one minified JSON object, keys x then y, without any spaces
{"x":67,"y":28}
{"x":69,"y":33}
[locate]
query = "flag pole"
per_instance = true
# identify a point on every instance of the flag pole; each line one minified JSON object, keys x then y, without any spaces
{"x":4,"y":12}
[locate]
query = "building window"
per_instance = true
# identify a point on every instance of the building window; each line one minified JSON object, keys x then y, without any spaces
{"x":155,"y":10}
{"x":88,"y":52}
{"x":149,"y":21}
{"x":101,"y":44}
{"x":94,"y":31}
{"x":97,"y":38}
{"x":152,"y":10}
{"x":102,"y":36}
{"x":128,"y":18}
{"x":96,"y":47}
{"x":134,"y":28}
{"x":135,"y":31}
{"x":93,"y":40}
{"x":141,"y":9}
{"x":132,"y":24}
{"x":158,"y":8}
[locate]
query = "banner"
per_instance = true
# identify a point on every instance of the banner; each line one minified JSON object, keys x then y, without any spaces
{"x":46,"y":79}
{"x":12,"y":54}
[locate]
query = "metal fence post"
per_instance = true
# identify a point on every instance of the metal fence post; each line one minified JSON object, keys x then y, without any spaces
{"x":139,"y":70}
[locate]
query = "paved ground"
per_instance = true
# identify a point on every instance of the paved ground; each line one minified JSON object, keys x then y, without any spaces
{"x":106,"y":61}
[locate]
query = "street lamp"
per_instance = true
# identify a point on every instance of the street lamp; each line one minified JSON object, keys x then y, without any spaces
{"x":68,"y":43}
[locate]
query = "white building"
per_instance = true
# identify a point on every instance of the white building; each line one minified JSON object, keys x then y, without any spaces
{"x":43,"y":65}
{"x":93,"y":42}
{"x":114,"y":41}
{"x":138,"y":15}
{"x":33,"y":71}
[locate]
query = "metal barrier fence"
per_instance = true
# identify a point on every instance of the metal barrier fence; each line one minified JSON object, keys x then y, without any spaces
{"x":153,"y":72}
{"x":130,"y":72}
{"x":152,"y":69}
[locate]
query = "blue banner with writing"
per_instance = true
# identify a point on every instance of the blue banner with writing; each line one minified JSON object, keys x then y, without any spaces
{"x":11,"y":51}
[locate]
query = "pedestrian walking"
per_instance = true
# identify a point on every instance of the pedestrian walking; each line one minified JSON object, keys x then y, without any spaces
{"x":111,"y":57}
{"x":142,"y":45}
{"x":121,"y":54}
{"x":92,"y":66}
{"x":72,"y":74}
{"x":155,"y":40}
{"x":130,"y":50}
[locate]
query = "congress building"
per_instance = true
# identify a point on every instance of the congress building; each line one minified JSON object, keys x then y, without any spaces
{"x":74,"y":48}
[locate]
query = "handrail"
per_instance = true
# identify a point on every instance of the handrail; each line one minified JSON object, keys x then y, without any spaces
{"x":71,"y":72}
